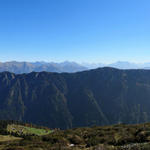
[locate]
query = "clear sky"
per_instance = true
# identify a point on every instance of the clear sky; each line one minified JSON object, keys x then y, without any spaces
{"x":75,"y":30}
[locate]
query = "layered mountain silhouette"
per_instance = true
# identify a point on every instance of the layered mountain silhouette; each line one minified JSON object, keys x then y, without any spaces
{"x":27,"y":67}
{"x":67,"y":66}
{"x":64,"y":100}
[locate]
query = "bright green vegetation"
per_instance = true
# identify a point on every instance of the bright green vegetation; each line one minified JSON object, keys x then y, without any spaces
{"x":25,"y":130}
{"x":37,"y":131}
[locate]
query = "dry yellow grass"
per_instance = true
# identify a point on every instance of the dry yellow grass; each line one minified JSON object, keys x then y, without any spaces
{"x":6,"y":138}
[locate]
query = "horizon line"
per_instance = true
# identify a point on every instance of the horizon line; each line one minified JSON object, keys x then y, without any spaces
{"x":72,"y":61}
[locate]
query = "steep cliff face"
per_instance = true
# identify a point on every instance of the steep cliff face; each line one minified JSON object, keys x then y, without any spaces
{"x":96,"y":97}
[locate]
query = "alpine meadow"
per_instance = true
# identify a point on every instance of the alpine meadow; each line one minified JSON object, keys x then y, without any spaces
{"x":74,"y":75}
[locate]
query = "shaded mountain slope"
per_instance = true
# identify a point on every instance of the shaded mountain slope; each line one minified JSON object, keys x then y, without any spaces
{"x":96,"y":97}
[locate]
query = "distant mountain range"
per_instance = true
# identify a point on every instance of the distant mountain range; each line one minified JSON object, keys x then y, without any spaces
{"x":70,"y":67}
{"x":129,"y":65}
{"x":27,"y":67}
{"x":119,"y":65}
{"x":64,"y":100}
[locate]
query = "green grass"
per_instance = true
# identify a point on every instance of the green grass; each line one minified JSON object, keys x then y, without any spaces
{"x":36,"y":131}
{"x":23,"y":130}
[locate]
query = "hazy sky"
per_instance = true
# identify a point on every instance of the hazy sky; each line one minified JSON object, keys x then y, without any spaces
{"x":75,"y":30}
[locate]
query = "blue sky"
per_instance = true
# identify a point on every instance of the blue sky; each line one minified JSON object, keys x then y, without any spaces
{"x":75,"y":30}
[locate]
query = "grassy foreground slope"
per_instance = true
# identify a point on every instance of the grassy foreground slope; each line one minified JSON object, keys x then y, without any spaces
{"x":8,"y":138}
{"x":115,"y":137}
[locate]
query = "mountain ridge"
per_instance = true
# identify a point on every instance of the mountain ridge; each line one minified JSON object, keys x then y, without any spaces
{"x":27,"y":67}
{"x":64,"y":100}
{"x":66,"y":66}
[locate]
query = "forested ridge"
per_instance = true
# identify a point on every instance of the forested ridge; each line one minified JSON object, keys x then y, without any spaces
{"x":64,"y":100}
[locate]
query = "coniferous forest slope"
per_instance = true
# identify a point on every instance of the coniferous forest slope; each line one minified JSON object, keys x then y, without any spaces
{"x":97,"y":97}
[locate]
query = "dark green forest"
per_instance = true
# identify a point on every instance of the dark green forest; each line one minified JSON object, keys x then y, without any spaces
{"x":102,"y":96}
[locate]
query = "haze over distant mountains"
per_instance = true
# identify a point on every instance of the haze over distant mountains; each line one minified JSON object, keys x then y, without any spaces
{"x":119,"y":65}
{"x":67,"y":66}
{"x":27,"y":67}
{"x":129,"y":65}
